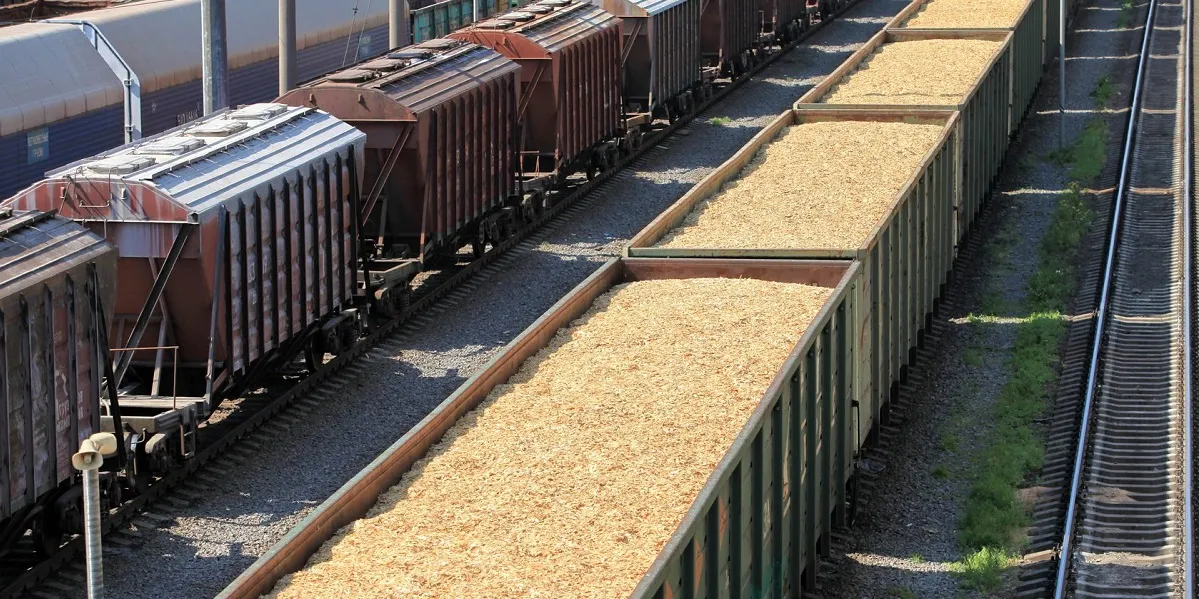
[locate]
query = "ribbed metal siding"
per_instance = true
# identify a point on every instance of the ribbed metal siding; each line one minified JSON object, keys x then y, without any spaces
{"x":48,"y":380}
{"x":468,"y":170}
{"x":290,"y":260}
{"x":728,"y":28}
{"x":589,"y":89}
{"x":71,"y":139}
{"x":674,"y":45}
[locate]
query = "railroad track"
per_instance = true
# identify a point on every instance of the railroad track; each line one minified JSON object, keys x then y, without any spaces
{"x":267,"y":413}
{"x":1127,"y":528}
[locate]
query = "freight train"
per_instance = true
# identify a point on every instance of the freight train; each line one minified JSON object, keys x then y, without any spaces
{"x":261,"y":238}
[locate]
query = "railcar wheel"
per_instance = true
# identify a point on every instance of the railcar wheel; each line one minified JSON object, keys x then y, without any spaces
{"x":478,"y":245}
{"x":46,"y":534}
{"x":854,"y":491}
{"x":539,"y":204}
{"x":313,"y":357}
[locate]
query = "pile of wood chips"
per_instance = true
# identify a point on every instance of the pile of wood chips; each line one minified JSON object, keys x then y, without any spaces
{"x":786,"y":200}
{"x":968,"y":14}
{"x":569,"y":480}
{"x":933,"y":72}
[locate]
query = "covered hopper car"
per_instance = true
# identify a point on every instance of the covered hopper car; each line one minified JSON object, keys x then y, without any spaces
{"x":56,"y":291}
{"x":570,"y":103}
{"x":440,"y":123}
{"x":237,"y":248}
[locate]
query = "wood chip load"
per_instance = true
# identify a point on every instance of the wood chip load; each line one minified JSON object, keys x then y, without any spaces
{"x":937,"y":72}
{"x":784,"y":201}
{"x":967,"y":14}
{"x":568,"y":480}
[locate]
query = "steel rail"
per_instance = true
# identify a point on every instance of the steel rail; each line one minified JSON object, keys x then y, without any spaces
{"x":37,"y":573}
{"x":1188,"y":174}
{"x":1065,"y":550}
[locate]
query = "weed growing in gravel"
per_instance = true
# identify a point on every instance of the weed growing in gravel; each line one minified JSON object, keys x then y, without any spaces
{"x":972,"y":356}
{"x":720,"y":121}
{"x":991,"y":528}
{"x":1127,"y":10}
{"x":916,"y":558}
{"x":948,"y":442}
{"x":902,"y":592}
{"x":983,"y":569}
{"x":1084,"y":158}
{"x":1104,"y":91}
{"x":941,"y":472}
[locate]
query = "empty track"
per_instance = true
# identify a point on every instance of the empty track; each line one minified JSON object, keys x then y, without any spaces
{"x":1127,"y":529}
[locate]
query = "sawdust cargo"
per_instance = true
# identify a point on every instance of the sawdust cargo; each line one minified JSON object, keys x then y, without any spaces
{"x":777,"y":202}
{"x":568,"y":480}
{"x":967,"y":14}
{"x":938,"y":72}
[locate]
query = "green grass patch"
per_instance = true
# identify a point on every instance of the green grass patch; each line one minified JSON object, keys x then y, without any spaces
{"x":1104,"y":91}
{"x":941,"y":472}
{"x":901,"y":592}
{"x":948,"y":442}
{"x":1127,"y":10}
{"x":982,"y":570}
{"x":916,"y":558}
{"x":1084,"y":159}
{"x":972,"y":356}
{"x":990,"y":531}
{"x":720,"y":121}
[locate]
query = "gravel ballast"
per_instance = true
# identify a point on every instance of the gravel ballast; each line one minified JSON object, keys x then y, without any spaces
{"x":937,"y":72}
{"x":777,"y":202}
{"x":568,"y":480}
{"x":237,"y":514}
{"x":967,"y":14}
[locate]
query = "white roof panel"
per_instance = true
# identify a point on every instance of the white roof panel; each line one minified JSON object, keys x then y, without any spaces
{"x":50,"y":72}
{"x":275,"y":143}
{"x":160,"y":39}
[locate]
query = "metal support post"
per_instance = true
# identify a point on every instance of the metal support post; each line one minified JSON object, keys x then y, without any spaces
{"x":215,"y":63}
{"x":1061,"y":78}
{"x":88,"y":461}
{"x":397,"y":20}
{"x":287,"y":45}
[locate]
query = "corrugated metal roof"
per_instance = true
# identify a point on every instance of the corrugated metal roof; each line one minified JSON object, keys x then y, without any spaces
{"x":160,"y":39}
{"x":37,"y":248}
{"x":638,"y":8}
{"x":444,"y":76}
{"x":227,"y":156}
{"x":49,"y":73}
{"x":569,"y":25}
{"x":565,"y":26}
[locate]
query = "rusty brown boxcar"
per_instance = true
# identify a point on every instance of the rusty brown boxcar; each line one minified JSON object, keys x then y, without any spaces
{"x":56,"y":288}
{"x":237,"y":250}
{"x":570,"y":106}
{"x":440,"y":124}
{"x":729,"y":32}
{"x":662,"y":71}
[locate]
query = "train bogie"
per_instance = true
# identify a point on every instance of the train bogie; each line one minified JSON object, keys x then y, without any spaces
{"x":729,"y":34}
{"x":237,"y":244}
{"x":57,"y":293}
